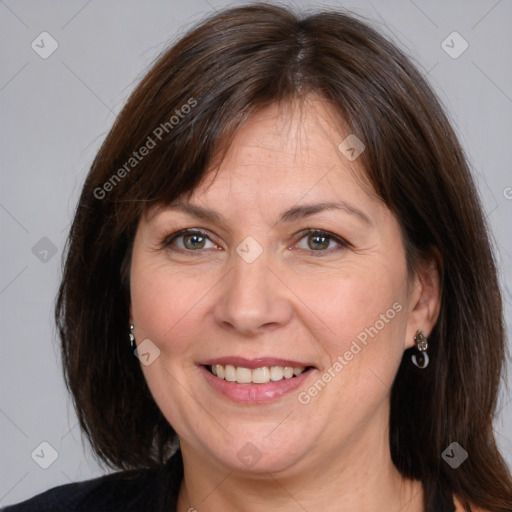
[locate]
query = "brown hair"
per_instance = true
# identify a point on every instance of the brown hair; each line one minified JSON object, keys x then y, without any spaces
{"x":185,"y":112}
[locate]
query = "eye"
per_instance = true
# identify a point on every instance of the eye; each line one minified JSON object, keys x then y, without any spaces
{"x":189,"y":240}
{"x":318,"y":240}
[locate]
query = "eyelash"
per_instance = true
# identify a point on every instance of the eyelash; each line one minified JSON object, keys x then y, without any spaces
{"x":168,"y":241}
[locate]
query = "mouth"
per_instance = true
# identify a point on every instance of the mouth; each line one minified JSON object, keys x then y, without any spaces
{"x":259,"y":375}
{"x":255,"y":381}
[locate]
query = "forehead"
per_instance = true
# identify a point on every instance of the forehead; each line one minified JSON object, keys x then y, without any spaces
{"x":288,"y":149}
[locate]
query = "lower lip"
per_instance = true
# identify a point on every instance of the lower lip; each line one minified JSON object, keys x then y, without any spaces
{"x":254,"y":393}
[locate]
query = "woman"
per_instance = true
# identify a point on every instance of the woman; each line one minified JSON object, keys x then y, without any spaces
{"x":272,"y":294}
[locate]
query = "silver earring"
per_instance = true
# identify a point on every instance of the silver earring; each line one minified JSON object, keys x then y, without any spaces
{"x":420,"y":359}
{"x":132,"y":338}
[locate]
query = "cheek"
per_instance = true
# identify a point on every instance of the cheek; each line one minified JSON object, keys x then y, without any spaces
{"x":361,"y":315}
{"x":362,"y":323}
{"x":166,"y":309}
{"x":165,"y":304}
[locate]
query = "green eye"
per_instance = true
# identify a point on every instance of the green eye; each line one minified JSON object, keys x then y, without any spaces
{"x":194,"y":241}
{"x":189,"y":240}
{"x":320,"y":241}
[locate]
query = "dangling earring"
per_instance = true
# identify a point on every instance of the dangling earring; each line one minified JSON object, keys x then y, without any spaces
{"x":132,"y":338}
{"x":421,"y":359}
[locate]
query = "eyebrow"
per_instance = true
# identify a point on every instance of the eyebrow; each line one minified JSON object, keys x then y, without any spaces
{"x":299,"y":212}
{"x":294,"y":213}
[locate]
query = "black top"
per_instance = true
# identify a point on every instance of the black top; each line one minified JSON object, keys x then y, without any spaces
{"x":146,"y":490}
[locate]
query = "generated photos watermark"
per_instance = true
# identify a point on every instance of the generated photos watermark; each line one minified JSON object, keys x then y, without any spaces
{"x":454,"y":455}
{"x":151,"y":142}
{"x":341,"y":361}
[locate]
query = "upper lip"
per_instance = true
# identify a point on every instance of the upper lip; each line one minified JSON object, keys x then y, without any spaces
{"x":255,"y":363}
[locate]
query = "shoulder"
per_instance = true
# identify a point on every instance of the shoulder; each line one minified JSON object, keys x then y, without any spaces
{"x":127,"y":491}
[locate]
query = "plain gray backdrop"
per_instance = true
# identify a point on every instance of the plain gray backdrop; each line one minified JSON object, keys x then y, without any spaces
{"x":56,"y":109}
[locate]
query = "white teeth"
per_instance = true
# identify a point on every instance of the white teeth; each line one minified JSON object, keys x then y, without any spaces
{"x":276,"y":373}
{"x":288,"y":372}
{"x":243,"y":375}
{"x":230,"y":373}
{"x":260,"y":375}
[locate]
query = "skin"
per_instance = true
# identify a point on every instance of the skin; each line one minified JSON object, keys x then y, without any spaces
{"x":293,"y":302}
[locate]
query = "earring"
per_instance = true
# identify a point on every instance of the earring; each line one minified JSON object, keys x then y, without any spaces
{"x":132,"y":338}
{"x":421,"y":359}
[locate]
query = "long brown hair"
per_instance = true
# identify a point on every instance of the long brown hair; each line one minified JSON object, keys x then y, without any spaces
{"x":184,"y":113}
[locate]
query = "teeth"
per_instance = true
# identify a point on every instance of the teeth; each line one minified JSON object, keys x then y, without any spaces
{"x":229,"y":373}
{"x":260,"y":375}
{"x":257,"y":375}
{"x":276,"y":373}
{"x":243,"y":375}
{"x":288,"y":372}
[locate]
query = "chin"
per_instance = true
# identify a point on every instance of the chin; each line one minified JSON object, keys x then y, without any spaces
{"x":260,"y":455}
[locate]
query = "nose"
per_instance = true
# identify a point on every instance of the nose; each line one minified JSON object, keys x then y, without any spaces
{"x":252,"y":299}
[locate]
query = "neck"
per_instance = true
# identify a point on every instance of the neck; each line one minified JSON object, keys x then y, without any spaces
{"x":357,"y":477}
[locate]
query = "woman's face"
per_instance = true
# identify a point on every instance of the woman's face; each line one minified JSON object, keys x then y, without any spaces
{"x":297,"y":269}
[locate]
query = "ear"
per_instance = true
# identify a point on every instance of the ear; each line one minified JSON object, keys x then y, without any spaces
{"x":424,"y":297}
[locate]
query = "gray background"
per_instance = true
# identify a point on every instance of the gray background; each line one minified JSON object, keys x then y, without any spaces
{"x":56,"y":111}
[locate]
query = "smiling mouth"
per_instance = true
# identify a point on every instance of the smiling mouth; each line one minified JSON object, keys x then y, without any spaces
{"x":261,"y":375}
